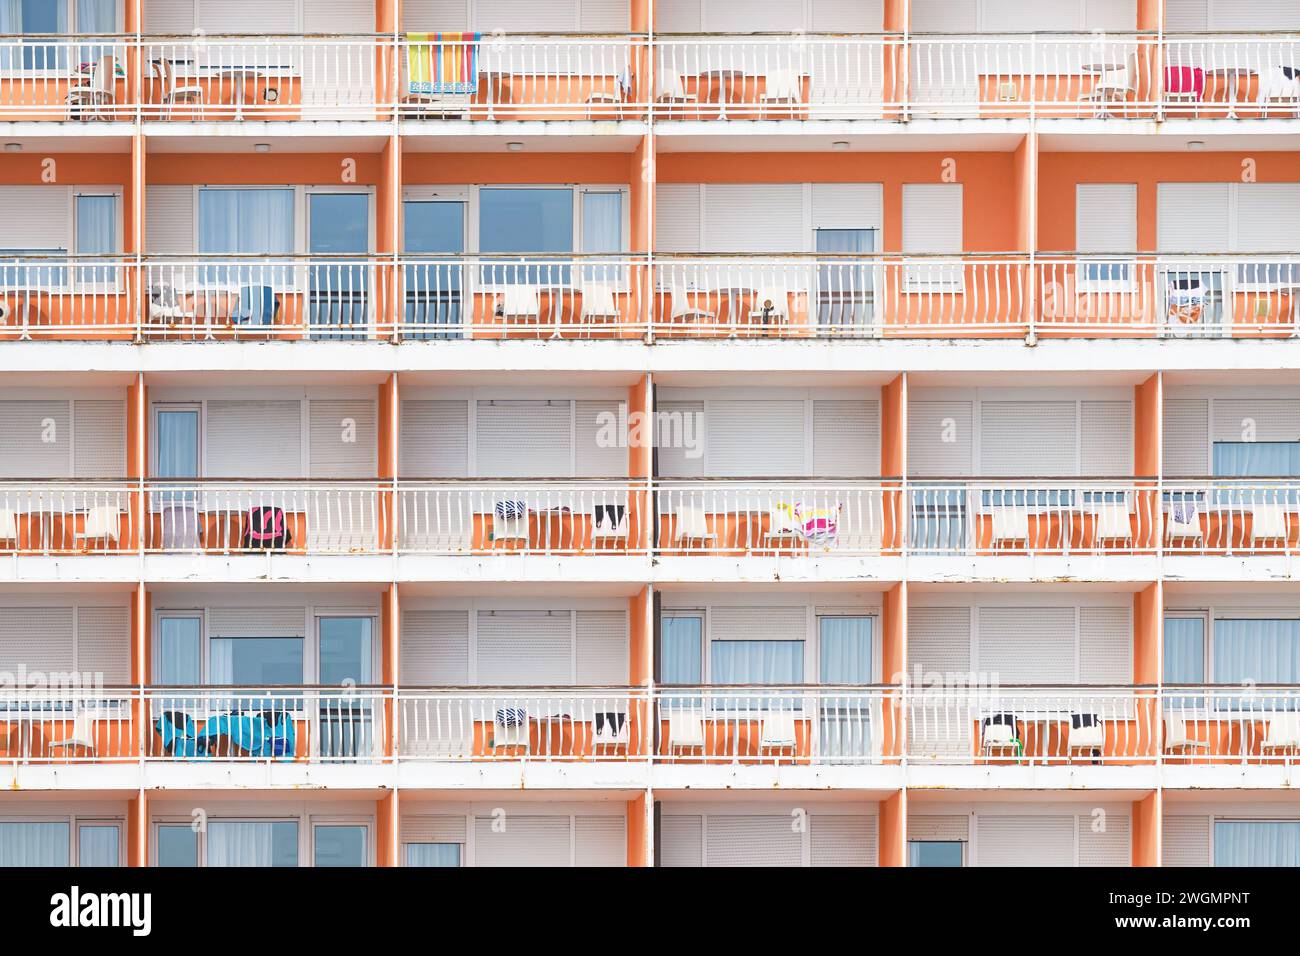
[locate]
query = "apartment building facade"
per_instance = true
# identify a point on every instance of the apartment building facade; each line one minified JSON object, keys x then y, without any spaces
{"x":649,"y":433}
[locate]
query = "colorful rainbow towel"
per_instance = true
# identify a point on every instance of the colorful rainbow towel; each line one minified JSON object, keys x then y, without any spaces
{"x":442,"y":63}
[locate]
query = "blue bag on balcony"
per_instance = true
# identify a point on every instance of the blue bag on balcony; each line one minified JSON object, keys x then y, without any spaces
{"x":177,"y":731}
{"x":257,"y":305}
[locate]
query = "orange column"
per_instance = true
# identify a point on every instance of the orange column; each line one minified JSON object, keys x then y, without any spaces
{"x":387,"y":830}
{"x":1025,"y":220}
{"x":1148,"y":654}
{"x":893,"y":830}
{"x":640,"y":461}
{"x":641,"y":185}
{"x":137,"y":830}
{"x":390,"y":626}
{"x":387,"y":21}
{"x":1147,"y":440}
{"x":893,"y":459}
{"x":134,"y":233}
{"x":388,"y":238}
{"x":640,"y":667}
{"x":638,"y":830}
{"x":893,"y":663}
{"x":1147,"y":822}
{"x":137,"y":461}
{"x":897,"y":17}
{"x":390,"y":412}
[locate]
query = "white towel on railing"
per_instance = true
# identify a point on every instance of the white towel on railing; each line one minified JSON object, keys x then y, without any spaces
{"x":101,"y":522}
{"x":685,"y":729}
{"x":1275,"y":84}
{"x":777,"y":730}
{"x":598,"y":300}
{"x":692,"y":523}
{"x":783,"y":85}
{"x":1283,"y":730}
{"x":1112,"y":520}
{"x":8,"y":524}
{"x":1268,"y":521}
{"x":521,"y":300}
{"x":1010,"y":523}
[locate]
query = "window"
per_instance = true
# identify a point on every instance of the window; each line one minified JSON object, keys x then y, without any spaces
{"x":935,"y":853}
{"x":1105,"y":222}
{"x":246,"y":221}
{"x":178,"y":845}
{"x":1256,"y":459}
{"x":932,"y":225}
{"x":1184,"y":640}
{"x":845,"y":652}
{"x":433,"y":854}
{"x":681,"y":649}
{"x":1256,"y":651}
{"x":98,"y":844}
{"x":262,"y":843}
{"x":345,"y":650}
{"x":339,"y":845}
{"x":180,"y":653}
{"x":1256,"y":843}
{"x":255,"y":661}
{"x":34,"y":844}
{"x":756,"y":662}
{"x":176,"y":445}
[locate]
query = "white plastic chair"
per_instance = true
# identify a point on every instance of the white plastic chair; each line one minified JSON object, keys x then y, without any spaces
{"x":101,"y":522}
{"x":598,"y":301}
{"x":1268,"y":522}
{"x":520,"y":302}
{"x":1275,"y":87}
{"x":671,"y":88}
{"x":1111,"y":521}
{"x":1009,"y":523}
{"x":692,"y":524}
{"x":1090,"y":737}
{"x":8,"y":525}
{"x":783,"y":86}
{"x":1283,"y":733}
{"x":1176,"y":735}
{"x":1113,"y":87}
{"x":83,"y":734}
{"x":685,"y":729}
{"x":172,"y":91}
{"x":610,"y":728}
{"x":514,"y":528}
{"x":1186,"y":524}
{"x":777,"y":731}
{"x":681,"y":307}
{"x":98,"y":92}
{"x":512,"y":732}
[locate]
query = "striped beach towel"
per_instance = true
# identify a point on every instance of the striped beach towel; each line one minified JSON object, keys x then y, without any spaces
{"x":439,"y":63}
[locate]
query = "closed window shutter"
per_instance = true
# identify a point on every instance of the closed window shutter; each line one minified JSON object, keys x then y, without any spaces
{"x":1027,"y":840}
{"x":753,"y":217}
{"x":847,"y":16}
{"x":525,"y":16}
{"x":1192,"y":217}
{"x":677,"y":216}
{"x":602,"y":648}
{"x":1105,"y":645}
{"x":1013,"y":16}
{"x":1110,"y":15}
{"x":754,"y":16}
{"x":36,"y":638}
{"x":842,"y":840}
{"x":104,"y":643}
{"x":930,"y":425}
{"x":735,"y":840}
{"x":169,"y":17}
{"x":1105,"y":217}
{"x":435,"y":648}
{"x":338,"y":16}
{"x":525,"y":648}
{"x":1186,"y":437}
{"x":434,"y":15}
{"x":36,"y":217}
{"x":1273,"y":419}
{"x":674,"y":422}
{"x":1247,"y":16}
{"x":604,"y":16}
{"x":435,"y":439}
{"x":681,"y":840}
{"x":169,"y":220}
{"x":1185,"y":841}
{"x":1268,"y":216}
{"x":599,"y":841}
{"x":1106,"y":438}
{"x":236,"y":16}
{"x":1109,"y":846}
{"x":846,"y":439}
{"x":1187,"y":16}
{"x":525,"y":841}
{"x":945,"y":827}
{"x":944,"y":16}
{"x":433,"y":828}
{"x":1028,"y":645}
{"x":1035,"y":439}
{"x":331,"y":455}
{"x":938,"y":640}
{"x":23,"y":427}
{"x":260,"y":439}
{"x":593,"y":460}
{"x":527,"y":439}
{"x":749,"y":438}
{"x":932,"y":217}
{"x":847,"y":205}
{"x":758,"y":623}
{"x":99,"y":450}
{"x":257,"y":622}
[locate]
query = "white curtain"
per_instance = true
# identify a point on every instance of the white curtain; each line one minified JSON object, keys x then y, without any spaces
{"x":252,"y":843}
{"x":98,"y":845}
{"x":34,"y":844}
{"x":246,"y":221}
{"x":846,"y":655}
{"x":756,"y":662}
{"x":433,"y":854}
{"x":1256,"y":843}
{"x":680,"y":650}
{"x":221,"y":665}
{"x":96,"y":16}
{"x":1260,"y":651}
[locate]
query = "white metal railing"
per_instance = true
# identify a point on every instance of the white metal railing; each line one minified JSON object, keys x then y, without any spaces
{"x":65,"y":516}
{"x":1028,"y":516}
{"x":1231,"y":516}
{"x":528,"y":516}
{"x":65,"y":78}
{"x":829,"y":294}
{"x":265,"y":77}
{"x":1250,"y":724}
{"x":775,"y":76}
{"x":515,"y":723}
{"x":804,"y":724}
{"x":1240,"y":296}
{"x":318,"y":724}
{"x":964,"y":725}
{"x":220,"y":296}
{"x":762,"y":516}
{"x":534,"y":296}
{"x":1232,"y":76}
{"x":320,"y":517}
{"x":79,"y":723}
{"x":58,"y":296}
{"x":498,"y":76}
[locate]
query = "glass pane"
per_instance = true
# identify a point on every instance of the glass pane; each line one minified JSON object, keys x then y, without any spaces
{"x":844,"y":289}
{"x":433,"y":854}
{"x":846,"y":655}
{"x":433,"y":289}
{"x":179,"y":642}
{"x":178,"y":444}
{"x":1256,"y":459}
{"x":256,"y":661}
{"x":681,"y":644}
{"x":247,"y":221}
{"x":34,"y":844}
{"x":1256,"y":651}
{"x":756,"y":662}
{"x":345,"y":652}
{"x":340,"y":223}
{"x":932,"y":853}
{"x":97,"y":845}
{"x":525,"y":220}
{"x":602,"y":223}
{"x":340,"y":846}
{"x":1184,"y":650}
{"x":252,"y":843}
{"x":433,"y":227}
{"x":1256,"y":843}
{"x":178,"y":845}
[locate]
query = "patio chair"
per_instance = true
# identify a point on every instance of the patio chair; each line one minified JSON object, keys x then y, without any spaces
{"x":101,"y":524}
{"x":1176,"y":736}
{"x":681,"y":307}
{"x":685,"y":729}
{"x":1085,"y":732}
{"x":174,"y":93}
{"x":784,"y":87}
{"x":510,"y":728}
{"x":1113,"y":87}
{"x":83,"y":735}
{"x":1280,"y":85}
{"x":87,"y":100}
{"x":1001,"y":732}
